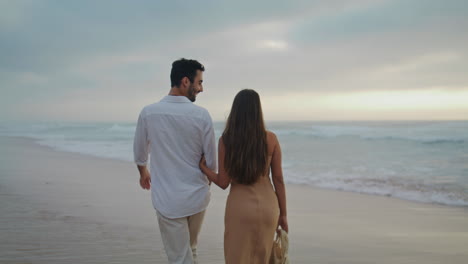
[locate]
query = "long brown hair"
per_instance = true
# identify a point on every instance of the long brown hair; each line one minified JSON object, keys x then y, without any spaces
{"x":245,"y":139}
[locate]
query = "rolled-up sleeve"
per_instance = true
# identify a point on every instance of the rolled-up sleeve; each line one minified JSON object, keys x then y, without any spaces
{"x":141,"y":142}
{"x":209,"y":144}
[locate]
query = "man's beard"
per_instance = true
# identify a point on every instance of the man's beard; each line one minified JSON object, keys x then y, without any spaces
{"x":191,"y":93}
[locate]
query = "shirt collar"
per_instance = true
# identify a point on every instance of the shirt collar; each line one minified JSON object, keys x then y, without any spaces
{"x":175,"y":99}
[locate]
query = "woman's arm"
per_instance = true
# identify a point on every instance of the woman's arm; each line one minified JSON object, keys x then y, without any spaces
{"x":278,"y":182}
{"x":221,"y":178}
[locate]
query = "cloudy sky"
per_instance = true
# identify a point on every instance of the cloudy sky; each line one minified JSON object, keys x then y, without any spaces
{"x":309,"y":60}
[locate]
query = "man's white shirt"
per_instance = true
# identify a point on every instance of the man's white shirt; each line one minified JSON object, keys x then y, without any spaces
{"x":174,"y":133}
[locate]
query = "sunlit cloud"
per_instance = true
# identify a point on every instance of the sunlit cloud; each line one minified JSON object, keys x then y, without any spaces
{"x":274,"y":45}
{"x":426,"y":104}
{"x":421,"y":62}
{"x":399,"y":100}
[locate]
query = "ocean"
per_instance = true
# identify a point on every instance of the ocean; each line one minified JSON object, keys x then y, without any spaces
{"x":423,"y":161}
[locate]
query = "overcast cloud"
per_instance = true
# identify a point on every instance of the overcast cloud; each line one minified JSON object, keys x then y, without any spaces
{"x":104,"y":60}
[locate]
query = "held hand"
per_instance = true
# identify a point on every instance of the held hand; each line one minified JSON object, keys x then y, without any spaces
{"x":145,"y":179}
{"x":202,"y":163}
{"x":283,"y":222}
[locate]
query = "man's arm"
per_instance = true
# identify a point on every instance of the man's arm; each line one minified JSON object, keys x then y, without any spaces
{"x":209,"y":144}
{"x":221,"y":178}
{"x":141,"y":151}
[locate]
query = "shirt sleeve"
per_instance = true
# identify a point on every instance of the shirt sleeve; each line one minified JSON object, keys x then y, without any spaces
{"x":209,"y":144}
{"x":141,"y":142}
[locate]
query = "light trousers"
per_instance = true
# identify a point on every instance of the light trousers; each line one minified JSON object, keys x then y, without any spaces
{"x":180,"y":237}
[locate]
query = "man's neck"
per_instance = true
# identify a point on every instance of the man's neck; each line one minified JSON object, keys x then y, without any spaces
{"x":175,"y":92}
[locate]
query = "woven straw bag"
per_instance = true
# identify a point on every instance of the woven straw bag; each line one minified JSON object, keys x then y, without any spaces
{"x":279,"y":252}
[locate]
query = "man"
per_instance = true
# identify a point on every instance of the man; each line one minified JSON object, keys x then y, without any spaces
{"x":177,"y":133}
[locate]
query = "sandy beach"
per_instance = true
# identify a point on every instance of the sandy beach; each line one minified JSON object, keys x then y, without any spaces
{"x":59,"y":207}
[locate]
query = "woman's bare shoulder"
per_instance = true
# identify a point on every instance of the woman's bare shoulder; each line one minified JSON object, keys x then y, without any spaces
{"x":271,"y":134}
{"x":271,"y":138}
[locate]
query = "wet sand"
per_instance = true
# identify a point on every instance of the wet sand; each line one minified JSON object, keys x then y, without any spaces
{"x":59,"y":207}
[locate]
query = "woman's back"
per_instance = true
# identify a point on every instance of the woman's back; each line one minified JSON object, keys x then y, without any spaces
{"x":246,"y":155}
{"x":251,"y":217}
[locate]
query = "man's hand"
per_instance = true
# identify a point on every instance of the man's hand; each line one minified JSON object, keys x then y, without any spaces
{"x":145,"y":178}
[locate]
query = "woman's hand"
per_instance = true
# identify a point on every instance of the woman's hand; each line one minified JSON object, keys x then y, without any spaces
{"x":283,"y":222}
{"x":203,"y":166}
{"x":202,"y":163}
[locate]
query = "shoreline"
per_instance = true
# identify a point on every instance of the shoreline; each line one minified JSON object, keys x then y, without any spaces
{"x":46,"y":193}
{"x":50,"y":148}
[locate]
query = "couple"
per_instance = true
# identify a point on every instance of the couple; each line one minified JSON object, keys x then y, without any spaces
{"x":180,"y":137}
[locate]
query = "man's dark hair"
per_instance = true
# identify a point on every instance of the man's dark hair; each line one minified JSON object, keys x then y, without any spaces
{"x":184,"y":68}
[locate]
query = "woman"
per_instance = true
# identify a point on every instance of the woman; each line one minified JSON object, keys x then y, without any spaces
{"x":254,"y":210}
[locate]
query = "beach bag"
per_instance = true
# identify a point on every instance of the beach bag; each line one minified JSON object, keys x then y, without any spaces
{"x":279,"y":252}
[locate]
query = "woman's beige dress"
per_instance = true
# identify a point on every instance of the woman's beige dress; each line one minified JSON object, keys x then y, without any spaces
{"x":250,"y":221}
